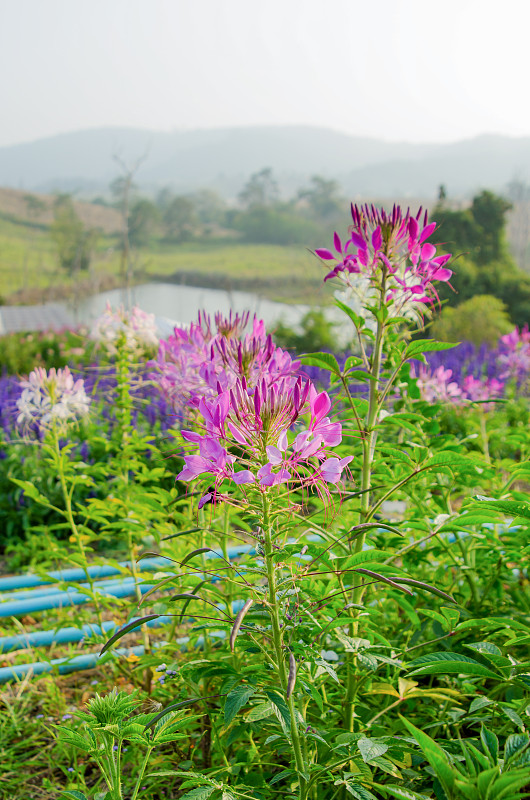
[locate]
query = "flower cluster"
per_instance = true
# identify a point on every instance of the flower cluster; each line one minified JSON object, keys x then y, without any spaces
{"x":436,"y":385}
{"x":439,"y":386}
{"x":514,"y":353}
{"x":201,"y":360}
{"x":136,"y":327}
{"x":247,"y":438}
{"x":390,"y":259}
{"x":50,"y":398}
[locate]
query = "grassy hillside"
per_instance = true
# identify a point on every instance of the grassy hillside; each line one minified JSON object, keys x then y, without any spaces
{"x":30,"y":272}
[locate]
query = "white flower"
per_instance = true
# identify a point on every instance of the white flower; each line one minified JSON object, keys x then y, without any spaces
{"x":52,"y":397}
{"x":137,"y":326}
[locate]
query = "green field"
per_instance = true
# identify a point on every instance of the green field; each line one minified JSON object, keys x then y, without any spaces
{"x":30,"y":271}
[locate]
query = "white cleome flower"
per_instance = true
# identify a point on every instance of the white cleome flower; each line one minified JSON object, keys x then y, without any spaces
{"x":53,"y":397}
{"x":137,"y":327}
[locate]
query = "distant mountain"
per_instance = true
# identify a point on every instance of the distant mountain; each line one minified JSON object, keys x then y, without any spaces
{"x":224,"y":159}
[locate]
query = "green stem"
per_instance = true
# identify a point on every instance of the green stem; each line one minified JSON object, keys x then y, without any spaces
{"x":68,"y":511}
{"x":141,"y":773}
{"x":368,"y":446}
{"x":278,"y":643}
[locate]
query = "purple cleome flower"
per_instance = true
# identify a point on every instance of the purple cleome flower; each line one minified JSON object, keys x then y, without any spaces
{"x":257,"y":422}
{"x":388,"y":253}
{"x":200,"y":361}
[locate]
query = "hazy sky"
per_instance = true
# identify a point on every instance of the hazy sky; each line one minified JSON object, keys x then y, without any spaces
{"x":419,"y":70}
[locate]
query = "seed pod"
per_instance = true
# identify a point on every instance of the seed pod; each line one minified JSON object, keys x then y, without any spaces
{"x":291,"y":680}
{"x":237,"y":623}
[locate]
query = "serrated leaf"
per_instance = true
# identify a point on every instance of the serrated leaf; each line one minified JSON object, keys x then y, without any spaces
{"x":370,"y":748}
{"x":490,"y":744}
{"x":399,"y":792}
{"x":513,"y":716}
{"x":72,"y":794}
{"x":260,"y":711}
{"x":515,"y":744}
{"x":478,"y":703}
{"x":280,"y":776}
{"x":199,"y":793}
{"x":235,"y":700}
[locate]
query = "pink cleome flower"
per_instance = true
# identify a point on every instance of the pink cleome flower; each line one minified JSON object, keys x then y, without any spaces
{"x":514,"y":353}
{"x":482,"y":389}
{"x":388,"y":253}
{"x":436,"y":386}
{"x":201,"y":360}
{"x":255,"y":423}
{"x":51,"y":398}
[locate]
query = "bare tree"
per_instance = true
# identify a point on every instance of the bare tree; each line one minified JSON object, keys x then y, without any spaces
{"x":122,"y":188}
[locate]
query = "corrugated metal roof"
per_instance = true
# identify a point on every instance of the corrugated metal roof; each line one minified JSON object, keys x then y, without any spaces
{"x":34,"y":318}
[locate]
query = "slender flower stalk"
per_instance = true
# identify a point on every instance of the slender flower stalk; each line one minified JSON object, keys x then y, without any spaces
{"x":391,"y":271}
{"x":247,"y":440}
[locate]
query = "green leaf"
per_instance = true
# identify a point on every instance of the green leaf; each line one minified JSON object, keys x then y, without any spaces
{"x":322,"y":360}
{"x":399,"y":792}
{"x":513,"y":716}
{"x":510,"y":507}
{"x":280,"y":776}
{"x":200,"y":793}
{"x":235,"y":700}
{"x":455,"y":667}
{"x":366,"y":556}
{"x":73,"y":794}
{"x":434,"y":754}
{"x":355,"y":318}
{"x":359,"y":792}
{"x":370,"y":748}
{"x":260,"y":711}
{"x":426,"y":346}
{"x":282,"y":709}
{"x":515,"y":744}
{"x":352,"y":362}
{"x":490,"y":743}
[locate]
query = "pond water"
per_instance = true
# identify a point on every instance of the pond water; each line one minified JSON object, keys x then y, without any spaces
{"x":172,"y":303}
